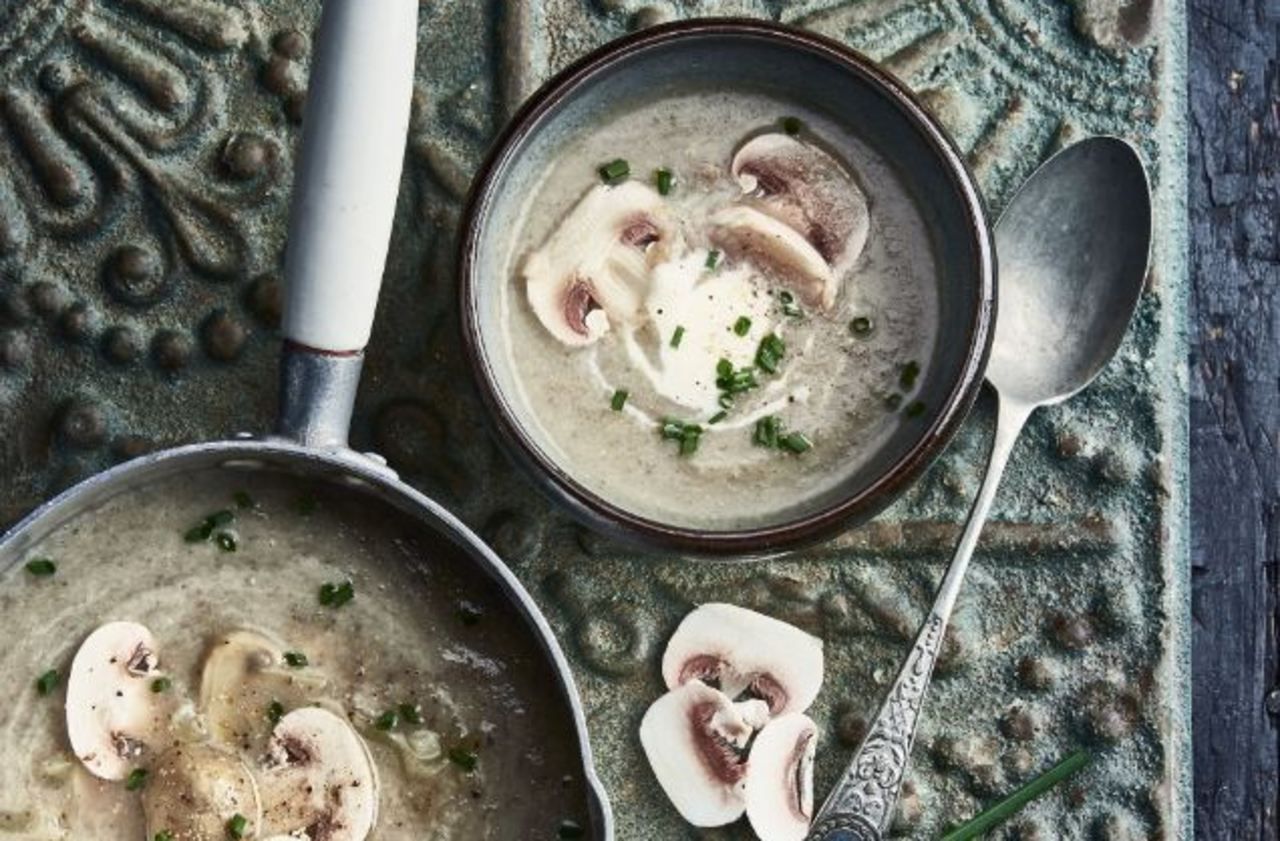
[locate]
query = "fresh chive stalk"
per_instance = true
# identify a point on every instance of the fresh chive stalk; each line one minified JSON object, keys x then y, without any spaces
{"x":615,"y":172}
{"x":619,"y":399}
{"x":792,"y":125}
{"x":678,"y":336}
{"x":713,"y":259}
{"x":770,"y":353}
{"x":663,"y":180}
{"x":41,"y":567}
{"x":1010,"y":805}
{"x":742,"y":326}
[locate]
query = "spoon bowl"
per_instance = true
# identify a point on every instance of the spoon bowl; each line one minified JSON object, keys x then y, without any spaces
{"x":1069,"y":243}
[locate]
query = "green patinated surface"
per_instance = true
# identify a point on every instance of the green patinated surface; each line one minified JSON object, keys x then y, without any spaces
{"x":145,"y":159}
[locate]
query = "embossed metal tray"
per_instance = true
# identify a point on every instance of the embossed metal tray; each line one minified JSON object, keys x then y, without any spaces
{"x":145,"y":156}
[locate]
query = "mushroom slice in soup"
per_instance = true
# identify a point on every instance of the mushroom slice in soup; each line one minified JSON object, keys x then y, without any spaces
{"x":778,"y":786}
{"x":801,"y":185}
{"x":113,"y":716}
{"x":747,"y":233}
{"x":319,"y":779}
{"x":194,"y":790}
{"x":593,"y":271}
{"x":744,"y":652}
{"x":696,"y":741}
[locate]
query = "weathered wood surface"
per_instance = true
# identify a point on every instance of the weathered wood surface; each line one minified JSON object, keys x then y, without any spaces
{"x":1235,"y":412}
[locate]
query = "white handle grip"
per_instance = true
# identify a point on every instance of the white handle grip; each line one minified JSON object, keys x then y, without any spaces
{"x":348,"y":174}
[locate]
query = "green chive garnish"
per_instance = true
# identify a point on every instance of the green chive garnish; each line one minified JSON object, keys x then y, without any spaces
{"x":860,"y":326}
{"x":663,"y":179}
{"x":914,"y":409}
{"x":47,"y":682}
{"x":570,"y":830}
{"x":796,"y":442}
{"x":615,"y":172}
{"x":226,"y":541}
{"x":242,"y":499}
{"x":767,"y":430}
{"x":1010,"y":805}
{"x":687,"y":434}
{"x":275,"y":712}
{"x":908,"y":376}
{"x":742,"y":326}
{"x":677,"y":337}
{"x":792,"y":125}
{"x":137,"y":779}
{"x":789,"y":305}
{"x":464,"y":759}
{"x":163,"y":836}
{"x":893,"y":401}
{"x":717,"y":417}
{"x":619,"y":399}
{"x":237,"y":825}
{"x":713,"y":257}
{"x":295,"y":659}
{"x":206,"y":527}
{"x":41,"y":567}
{"x":470,"y":614}
{"x":411,"y":713}
{"x":161,"y":684}
{"x":770,"y":353}
{"x":726,"y":401}
{"x":724,"y":368}
{"x":387,"y":721}
{"x":336,"y":595}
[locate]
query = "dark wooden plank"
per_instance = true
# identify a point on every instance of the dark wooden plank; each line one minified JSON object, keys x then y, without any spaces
{"x":1235,"y":412}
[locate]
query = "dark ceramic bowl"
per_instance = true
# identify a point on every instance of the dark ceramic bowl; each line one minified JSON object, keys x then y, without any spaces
{"x":795,"y":66}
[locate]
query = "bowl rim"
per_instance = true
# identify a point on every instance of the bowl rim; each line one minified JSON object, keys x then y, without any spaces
{"x":848,"y":509}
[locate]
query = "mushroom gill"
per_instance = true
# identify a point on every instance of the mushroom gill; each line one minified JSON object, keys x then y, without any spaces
{"x":593,"y":271}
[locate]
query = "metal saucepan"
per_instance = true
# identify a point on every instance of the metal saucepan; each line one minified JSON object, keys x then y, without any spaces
{"x":348,"y":177}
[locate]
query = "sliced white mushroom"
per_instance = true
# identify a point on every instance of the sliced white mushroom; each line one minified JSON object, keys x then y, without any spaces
{"x":112,"y":714}
{"x":801,"y":185}
{"x":194,"y":790}
{"x":318,"y":779}
{"x":744,"y":652}
{"x":778,"y":786}
{"x":593,"y":271}
{"x":696,"y":740}
{"x":745,"y":232}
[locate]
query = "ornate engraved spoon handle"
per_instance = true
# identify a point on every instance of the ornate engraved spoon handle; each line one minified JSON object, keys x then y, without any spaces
{"x":860,"y":808}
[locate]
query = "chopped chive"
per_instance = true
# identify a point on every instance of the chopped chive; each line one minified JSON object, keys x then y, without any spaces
{"x":713,"y":258}
{"x":796,"y":442}
{"x":226,"y":541}
{"x":677,"y":337}
{"x":726,"y":401}
{"x":724,"y":368}
{"x":717,"y":417}
{"x":336,"y":595}
{"x":162,"y":835}
{"x":910,"y":372}
{"x":570,"y":830}
{"x":463,"y":758}
{"x":742,"y":326}
{"x":41,"y":567}
{"x":619,"y":399}
{"x":411,"y":713}
{"x":237,"y":826}
{"x":789,"y":305}
{"x":295,"y":659}
{"x":199,"y":534}
{"x":161,"y":684}
{"x":221,"y":518}
{"x":689,"y":441}
{"x":770,"y":353}
{"x":275,"y":712}
{"x":615,"y":172}
{"x":914,"y":409}
{"x":47,"y":682}
{"x":470,"y":614}
{"x":687,"y":434}
{"x":893,"y":401}
{"x":1010,"y":805}
{"x":137,"y":779}
{"x":767,"y":430}
{"x":387,"y":721}
{"x":242,"y":499}
{"x":792,"y":125}
{"x":664,"y":180}
{"x":860,"y":326}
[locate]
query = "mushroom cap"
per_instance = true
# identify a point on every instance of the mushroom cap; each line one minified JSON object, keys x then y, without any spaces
{"x":593,"y":270}
{"x":194,"y":790}
{"x":112,"y":714}
{"x":319,"y":779}
{"x":749,"y":233}
{"x":804,"y":187}
{"x":779,"y":782}
{"x":742,"y":651}
{"x":695,"y":738}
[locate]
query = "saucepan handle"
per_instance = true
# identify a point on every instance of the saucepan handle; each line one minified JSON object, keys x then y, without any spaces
{"x":344,"y":200}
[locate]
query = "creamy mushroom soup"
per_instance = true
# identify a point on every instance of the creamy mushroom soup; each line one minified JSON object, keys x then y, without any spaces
{"x":221,"y":655}
{"x":718,"y":309}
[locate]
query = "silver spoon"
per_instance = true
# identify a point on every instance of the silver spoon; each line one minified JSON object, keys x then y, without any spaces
{"x":1073,"y":246}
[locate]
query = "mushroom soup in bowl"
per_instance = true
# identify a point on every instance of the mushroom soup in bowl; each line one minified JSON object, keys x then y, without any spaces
{"x":224,"y":653}
{"x":726,"y":287}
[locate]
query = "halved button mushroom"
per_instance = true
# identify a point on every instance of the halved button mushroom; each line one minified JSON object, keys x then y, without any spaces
{"x":779,"y":782}
{"x":112,"y":714}
{"x":744,"y":652}
{"x":747,"y":233}
{"x":802,"y":186}
{"x":194,"y":790}
{"x":593,"y":270}
{"x":319,"y":779}
{"x":696,"y":741}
